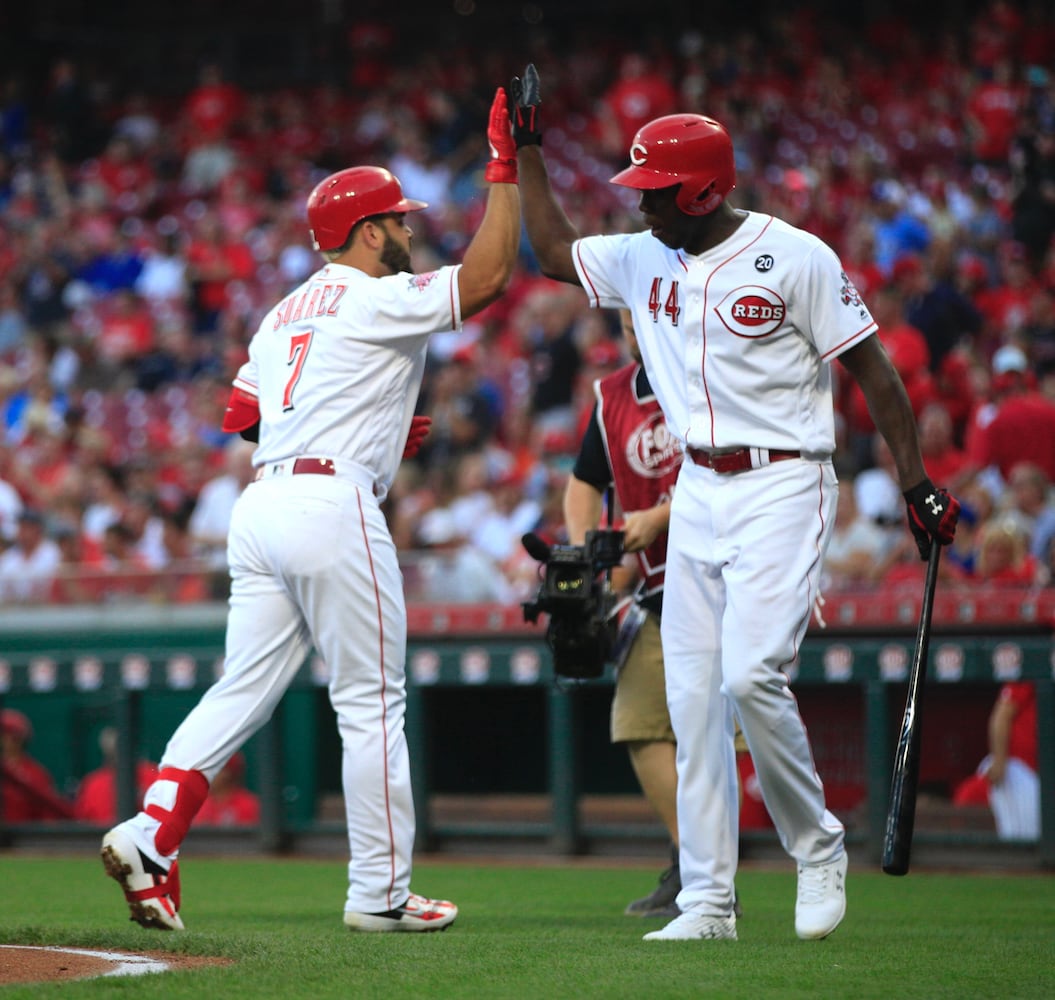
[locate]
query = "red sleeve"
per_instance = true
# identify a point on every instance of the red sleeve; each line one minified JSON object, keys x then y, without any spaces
{"x":243,"y":410}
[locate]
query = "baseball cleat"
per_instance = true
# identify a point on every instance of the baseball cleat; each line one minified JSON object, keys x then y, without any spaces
{"x":821,"y":902}
{"x":417,"y":914}
{"x":696,"y":927}
{"x":153,"y":895}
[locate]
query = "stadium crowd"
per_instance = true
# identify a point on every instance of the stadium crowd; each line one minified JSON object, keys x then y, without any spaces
{"x":142,"y":237}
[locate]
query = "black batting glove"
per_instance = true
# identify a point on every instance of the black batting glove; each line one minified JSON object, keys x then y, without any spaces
{"x":523,"y":108}
{"x":932,"y":514}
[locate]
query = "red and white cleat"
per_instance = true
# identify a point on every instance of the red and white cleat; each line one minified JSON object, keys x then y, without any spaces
{"x":152,"y":894}
{"x":417,"y":914}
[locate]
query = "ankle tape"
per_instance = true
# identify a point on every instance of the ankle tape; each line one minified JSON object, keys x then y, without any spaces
{"x":174,"y":800}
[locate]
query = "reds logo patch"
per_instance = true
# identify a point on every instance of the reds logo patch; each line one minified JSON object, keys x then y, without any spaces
{"x":848,"y":294}
{"x":652,"y":451}
{"x":752,"y":311}
{"x":422,"y":281}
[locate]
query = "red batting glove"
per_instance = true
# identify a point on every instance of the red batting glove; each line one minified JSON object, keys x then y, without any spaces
{"x":419,"y":430}
{"x":502,"y":168}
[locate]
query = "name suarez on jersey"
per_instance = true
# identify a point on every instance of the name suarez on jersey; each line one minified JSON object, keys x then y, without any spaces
{"x":318,"y":300}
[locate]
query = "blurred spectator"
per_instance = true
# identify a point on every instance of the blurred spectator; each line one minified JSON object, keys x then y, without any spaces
{"x":13,"y":326}
{"x":934,"y":305}
{"x":901,"y":568}
{"x":183,"y":579}
{"x":125,"y":175}
{"x":642,"y":91}
{"x":214,"y":262}
{"x":78,"y":579}
{"x":162,"y":281}
{"x":471,"y":500}
{"x":876,"y":487}
{"x":549,"y":341}
{"x":125,"y":331}
{"x":28,"y":794}
{"x":28,"y":567}
{"x":856,"y":547}
{"x":208,"y":116}
{"x":96,"y":798}
{"x":946,"y":464}
{"x":1005,"y":304}
{"x":214,"y":105}
{"x":77,"y":132}
{"x":1029,"y":502}
{"x":985,"y":227}
{"x":10,"y":504}
{"x":462,"y":415}
{"x":1002,"y":556}
{"x":229,"y":802}
{"x":976,"y":508}
{"x":1038,"y":336}
{"x":211,"y":519}
{"x":896,"y":231}
{"x":499,"y":531}
{"x":956,"y":388}
{"x":143,"y":527}
{"x":103,"y":498}
{"x":1006,"y":779}
{"x":453,"y":571}
{"x":1020,"y":426}
{"x":991,"y":113}
{"x":1033,"y":189}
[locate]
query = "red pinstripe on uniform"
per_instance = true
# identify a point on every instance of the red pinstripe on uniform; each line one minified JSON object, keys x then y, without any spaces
{"x":384,"y":703}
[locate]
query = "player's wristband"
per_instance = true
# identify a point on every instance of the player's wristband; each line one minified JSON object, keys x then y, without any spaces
{"x":501,"y":172}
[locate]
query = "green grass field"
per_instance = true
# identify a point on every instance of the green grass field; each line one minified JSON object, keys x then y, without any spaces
{"x":555,"y":930}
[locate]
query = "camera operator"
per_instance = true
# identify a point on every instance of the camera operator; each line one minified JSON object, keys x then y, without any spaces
{"x":627,"y":444}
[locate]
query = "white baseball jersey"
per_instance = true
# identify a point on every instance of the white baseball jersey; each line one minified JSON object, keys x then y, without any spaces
{"x":336,"y":366}
{"x":734,"y":340}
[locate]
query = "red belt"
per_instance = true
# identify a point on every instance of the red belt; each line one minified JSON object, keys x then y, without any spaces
{"x":300,"y":467}
{"x":314,"y":466}
{"x":739,"y":460}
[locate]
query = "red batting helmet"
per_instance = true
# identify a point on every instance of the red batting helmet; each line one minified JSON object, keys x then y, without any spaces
{"x":348,"y":197}
{"x":690,"y":150}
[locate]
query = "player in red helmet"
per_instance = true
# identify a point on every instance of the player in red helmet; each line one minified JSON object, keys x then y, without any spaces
{"x":691,"y":151}
{"x":347,"y":197}
{"x":738,"y":316}
{"x":328,"y":392}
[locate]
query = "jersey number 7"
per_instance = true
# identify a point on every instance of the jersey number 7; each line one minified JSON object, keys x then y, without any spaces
{"x":298,"y":353}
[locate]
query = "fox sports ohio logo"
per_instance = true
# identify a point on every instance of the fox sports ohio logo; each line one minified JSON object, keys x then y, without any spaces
{"x":652,"y":451}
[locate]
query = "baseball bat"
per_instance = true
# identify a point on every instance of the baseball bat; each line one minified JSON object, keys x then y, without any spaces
{"x":901,"y":810}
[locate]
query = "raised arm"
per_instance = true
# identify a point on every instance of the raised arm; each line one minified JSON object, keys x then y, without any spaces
{"x":549,"y":229}
{"x":491,"y":256}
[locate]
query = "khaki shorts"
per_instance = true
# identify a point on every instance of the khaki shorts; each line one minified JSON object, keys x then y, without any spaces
{"x":639,"y":706}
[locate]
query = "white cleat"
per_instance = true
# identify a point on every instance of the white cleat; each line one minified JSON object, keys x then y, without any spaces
{"x":821,"y":902}
{"x":417,"y":914}
{"x":696,"y":927}
{"x":152,"y":894}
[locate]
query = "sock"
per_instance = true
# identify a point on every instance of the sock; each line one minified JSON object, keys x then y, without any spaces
{"x":174,"y":800}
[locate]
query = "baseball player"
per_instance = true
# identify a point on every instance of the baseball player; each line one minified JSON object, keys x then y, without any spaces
{"x":738,"y":316}
{"x":329,"y":390}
